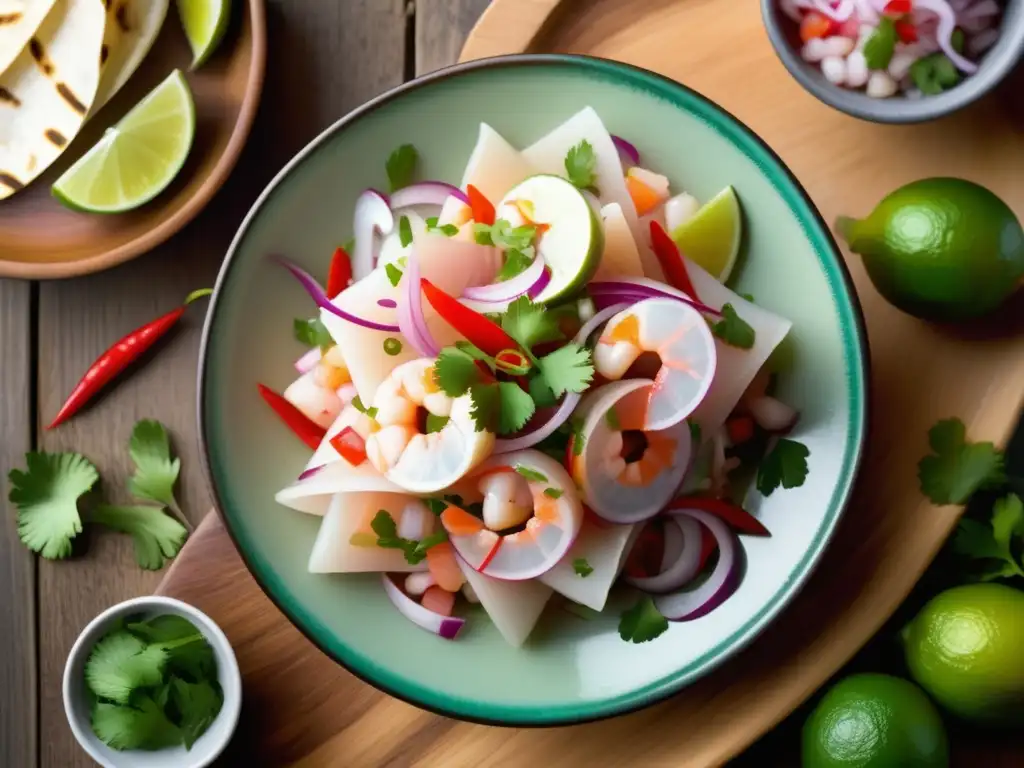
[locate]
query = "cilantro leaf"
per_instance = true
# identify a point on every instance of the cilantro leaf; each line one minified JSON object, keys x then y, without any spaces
{"x":531,"y":474}
{"x":401,"y":165}
{"x":879,"y":48}
{"x":165,"y":628}
{"x":642,"y":622}
{"x":507,"y":237}
{"x":197,"y":704}
{"x":437,"y":506}
{"x":567,"y":369}
{"x":436,"y":423}
{"x":516,"y":262}
{"x":394,"y":274}
{"x":155,"y":471}
{"x":582,"y":567}
{"x":157,"y":536}
{"x":482,"y":234}
{"x":486,"y":408}
{"x":541,"y":392}
{"x":695,"y":435}
{"x":611,"y":417}
{"x":530,"y":324}
{"x":934,"y":74}
{"x":580,"y":164}
{"x":384,"y":525}
{"x":785,"y":465}
{"x":578,"y":439}
{"x":994,"y":544}
{"x":455,"y":371}
{"x":120,"y":663}
{"x":404,"y":232}
{"x":437,"y":537}
{"x":956,"y":469}
{"x":553,"y":493}
{"x":140,"y":726}
{"x":733,"y":329}
{"x":516,"y":408}
{"x":312,"y":333}
{"x":473,"y":351}
{"x":46,"y":496}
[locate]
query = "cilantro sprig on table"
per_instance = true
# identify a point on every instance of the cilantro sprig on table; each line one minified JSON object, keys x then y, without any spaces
{"x":956,"y":468}
{"x":998,"y":544}
{"x":49,"y":492}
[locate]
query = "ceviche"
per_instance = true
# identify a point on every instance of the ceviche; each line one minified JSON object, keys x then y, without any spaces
{"x":519,"y":386}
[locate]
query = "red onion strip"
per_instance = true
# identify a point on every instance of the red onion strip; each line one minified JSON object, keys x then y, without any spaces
{"x":410,"y":312}
{"x":634,"y":289}
{"x":426,"y":193}
{"x":627,"y":150}
{"x":313,"y":288}
{"x":510,"y":289}
{"x":447,"y":627}
{"x":947,"y":24}
{"x":684,"y":566}
{"x":310,"y":472}
{"x":692,"y":604}
{"x":530,"y":439}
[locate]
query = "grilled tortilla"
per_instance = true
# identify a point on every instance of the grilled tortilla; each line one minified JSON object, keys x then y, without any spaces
{"x":131,"y":32}
{"x":48,"y":90}
{"x":19,"y":20}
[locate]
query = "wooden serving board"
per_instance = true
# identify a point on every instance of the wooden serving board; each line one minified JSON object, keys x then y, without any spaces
{"x":301,"y":707}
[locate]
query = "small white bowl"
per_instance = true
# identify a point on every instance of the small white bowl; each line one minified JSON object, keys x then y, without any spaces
{"x":76,"y":696}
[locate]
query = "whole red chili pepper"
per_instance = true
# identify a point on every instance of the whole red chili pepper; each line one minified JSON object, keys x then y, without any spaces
{"x":478,"y":330}
{"x":733,"y":514}
{"x":483,"y":209}
{"x":119,"y":357}
{"x":307,"y":431}
{"x":672,"y":262}
{"x":340,"y":273}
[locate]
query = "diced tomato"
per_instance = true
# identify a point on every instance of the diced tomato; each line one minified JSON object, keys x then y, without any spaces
{"x":740,"y":429}
{"x":815,"y":25}
{"x":444,"y":567}
{"x":350,"y":446}
{"x":438,"y":600}
{"x":906,"y":31}
{"x":898,"y":7}
{"x":483,"y":209}
{"x":644,"y":559}
{"x":736,"y":517}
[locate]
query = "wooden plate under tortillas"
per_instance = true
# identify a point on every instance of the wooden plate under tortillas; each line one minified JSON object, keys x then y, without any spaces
{"x":39,"y":238}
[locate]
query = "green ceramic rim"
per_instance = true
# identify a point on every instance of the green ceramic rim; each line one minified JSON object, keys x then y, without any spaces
{"x":854,"y":340}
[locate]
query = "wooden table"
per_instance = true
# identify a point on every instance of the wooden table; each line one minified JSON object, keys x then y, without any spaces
{"x":325,"y":57}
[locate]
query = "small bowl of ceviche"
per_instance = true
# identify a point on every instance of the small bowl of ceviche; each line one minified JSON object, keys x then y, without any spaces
{"x":897,"y":61}
{"x":533,"y":389}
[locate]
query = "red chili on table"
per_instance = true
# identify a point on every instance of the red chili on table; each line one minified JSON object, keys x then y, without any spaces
{"x":306,"y":430}
{"x":671,"y":260}
{"x":119,"y":357}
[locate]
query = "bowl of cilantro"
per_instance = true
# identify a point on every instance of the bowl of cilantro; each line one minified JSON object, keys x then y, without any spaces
{"x":152,"y":683}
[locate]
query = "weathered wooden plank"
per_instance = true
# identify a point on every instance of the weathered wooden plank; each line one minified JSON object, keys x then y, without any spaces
{"x":18,"y":671}
{"x":325,"y":59}
{"x":441,"y":29}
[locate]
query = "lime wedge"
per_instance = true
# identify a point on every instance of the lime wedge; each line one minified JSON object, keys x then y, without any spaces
{"x":137,"y":158}
{"x":205,"y":22}
{"x":712,"y":237}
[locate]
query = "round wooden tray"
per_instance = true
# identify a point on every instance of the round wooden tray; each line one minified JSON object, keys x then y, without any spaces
{"x":41,"y":239}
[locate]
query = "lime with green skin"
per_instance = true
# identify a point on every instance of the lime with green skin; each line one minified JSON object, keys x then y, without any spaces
{"x":966,"y":648}
{"x":941,"y":249}
{"x":875,"y":721}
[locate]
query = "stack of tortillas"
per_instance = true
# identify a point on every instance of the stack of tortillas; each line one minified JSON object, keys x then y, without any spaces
{"x":60,"y":61}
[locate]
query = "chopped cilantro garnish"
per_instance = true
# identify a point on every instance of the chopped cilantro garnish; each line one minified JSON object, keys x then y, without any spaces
{"x":611,"y":417}
{"x":482,"y":234}
{"x":357,"y":403}
{"x":733,"y":329}
{"x":695,"y":436}
{"x":516,"y":262}
{"x":956,"y":468}
{"x":516,"y":407}
{"x":371,"y":413}
{"x":530,"y":324}
{"x":455,"y":371}
{"x":394,"y":274}
{"x":448,"y":230}
{"x":642,"y":622}
{"x":785,"y":465}
{"x":567,"y":369}
{"x":437,"y":506}
{"x":507,"y":237}
{"x":578,"y":440}
{"x":553,"y":493}
{"x":879,"y":48}
{"x":383,"y":524}
{"x":582,"y":567}
{"x":436,"y":423}
{"x":401,"y":166}
{"x":431,"y":222}
{"x":541,"y":392}
{"x":312,"y":333}
{"x":404,"y":231}
{"x":530,"y":474}
{"x":934,"y":74}
{"x":580,"y":165}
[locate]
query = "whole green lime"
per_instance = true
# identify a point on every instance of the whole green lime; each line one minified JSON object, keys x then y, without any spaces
{"x":966,"y":648}
{"x":874,"y":721}
{"x":940,"y":249}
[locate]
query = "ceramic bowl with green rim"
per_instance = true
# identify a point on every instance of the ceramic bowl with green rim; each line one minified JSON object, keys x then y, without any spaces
{"x":571,"y":669}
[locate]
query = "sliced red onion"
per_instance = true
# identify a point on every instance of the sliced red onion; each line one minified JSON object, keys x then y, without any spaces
{"x":633,"y":289}
{"x":947,"y":25}
{"x":684,"y":565}
{"x":691,"y":604}
{"x":627,"y":151}
{"x":771,"y":414}
{"x":507,"y":290}
{"x":373,"y":215}
{"x":387,"y":303}
{"x":308,"y":361}
{"x":317,"y":294}
{"x":982,"y":41}
{"x":410,"y":312}
{"x":596,"y":321}
{"x":426,"y":193}
{"x":530,"y":439}
{"x":447,"y":627}
{"x":980,"y":9}
{"x":310,"y":472}
{"x":840,"y":13}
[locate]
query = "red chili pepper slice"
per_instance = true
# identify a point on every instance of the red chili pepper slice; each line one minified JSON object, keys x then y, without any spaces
{"x":340,"y":273}
{"x":906,"y":31}
{"x":119,"y":357}
{"x":306,"y":430}
{"x":671,"y":260}
{"x":350,"y":446}
{"x":898,"y":7}
{"x":733,"y":514}
{"x":740,"y":429}
{"x":478,"y":330}
{"x":483,"y":209}
{"x":490,"y":555}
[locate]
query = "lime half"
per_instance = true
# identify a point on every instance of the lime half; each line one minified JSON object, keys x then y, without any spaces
{"x":711,"y":238}
{"x":205,"y":22}
{"x":137,"y":158}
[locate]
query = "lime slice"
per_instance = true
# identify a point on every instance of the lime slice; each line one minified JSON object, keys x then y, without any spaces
{"x":205,"y":22}
{"x":137,"y":158}
{"x":571,"y":239}
{"x":712,"y":237}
